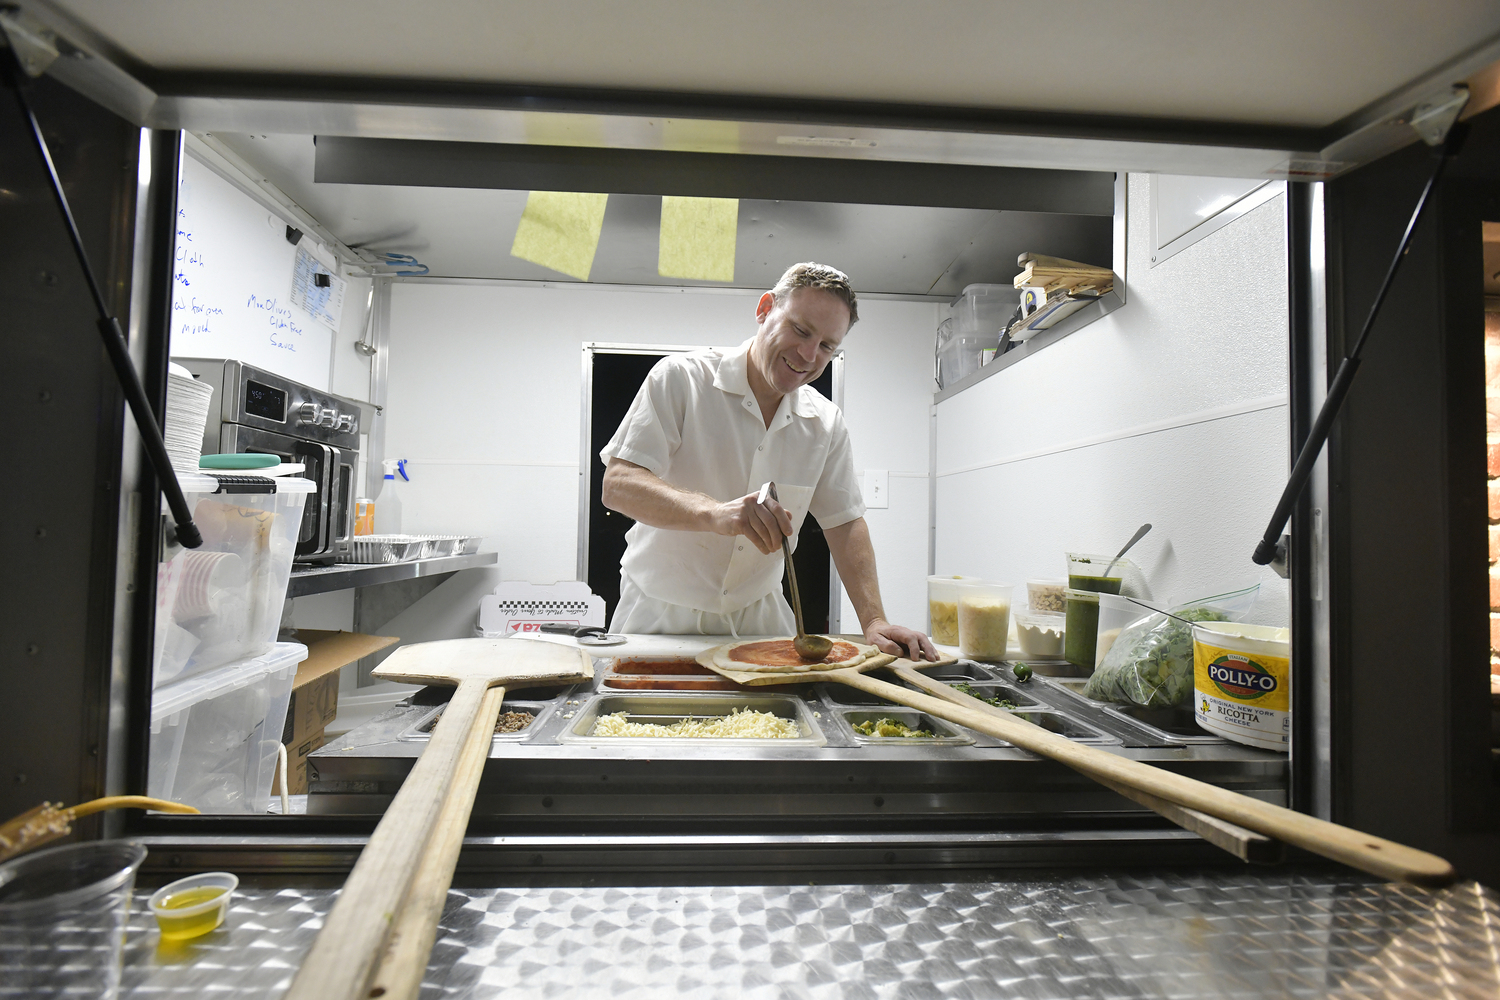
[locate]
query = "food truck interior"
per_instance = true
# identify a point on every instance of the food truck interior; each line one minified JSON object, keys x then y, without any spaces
{"x":1246,"y":250}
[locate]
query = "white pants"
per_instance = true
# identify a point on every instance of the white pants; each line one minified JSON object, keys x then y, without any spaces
{"x":771,"y":615}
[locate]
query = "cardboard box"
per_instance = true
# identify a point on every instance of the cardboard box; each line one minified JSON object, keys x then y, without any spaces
{"x":315,"y":695}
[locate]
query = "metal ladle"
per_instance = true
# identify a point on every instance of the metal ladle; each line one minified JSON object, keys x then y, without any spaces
{"x":809,"y":647}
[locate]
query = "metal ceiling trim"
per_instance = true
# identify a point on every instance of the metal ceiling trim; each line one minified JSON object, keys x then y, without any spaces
{"x":532,"y":167}
{"x":453,"y":110}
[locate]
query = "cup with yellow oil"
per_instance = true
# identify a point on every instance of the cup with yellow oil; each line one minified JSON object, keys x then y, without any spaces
{"x":194,"y":905}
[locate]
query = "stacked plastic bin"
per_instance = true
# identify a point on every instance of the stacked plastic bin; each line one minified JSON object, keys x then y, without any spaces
{"x":221,"y":680}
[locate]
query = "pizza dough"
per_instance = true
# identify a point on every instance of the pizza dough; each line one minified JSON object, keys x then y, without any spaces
{"x":778,"y":656}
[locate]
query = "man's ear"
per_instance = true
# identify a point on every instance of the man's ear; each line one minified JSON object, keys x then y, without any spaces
{"x":764,"y":306}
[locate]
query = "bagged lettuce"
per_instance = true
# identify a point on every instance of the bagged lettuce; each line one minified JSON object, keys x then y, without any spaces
{"x":1150,"y":663}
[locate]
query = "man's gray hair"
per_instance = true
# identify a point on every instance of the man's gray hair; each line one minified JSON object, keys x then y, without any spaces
{"x":811,"y":275}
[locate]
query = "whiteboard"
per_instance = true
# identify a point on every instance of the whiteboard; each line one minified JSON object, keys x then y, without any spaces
{"x":232,"y":284}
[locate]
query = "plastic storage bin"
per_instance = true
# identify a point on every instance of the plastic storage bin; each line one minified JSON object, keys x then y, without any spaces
{"x":222,"y":602}
{"x":214,"y":735}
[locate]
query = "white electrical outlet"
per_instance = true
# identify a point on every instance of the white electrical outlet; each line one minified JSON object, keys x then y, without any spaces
{"x":877,"y":488}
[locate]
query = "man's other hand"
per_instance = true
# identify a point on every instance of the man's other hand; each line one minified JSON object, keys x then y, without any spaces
{"x":765,"y":524}
{"x":898,"y":640}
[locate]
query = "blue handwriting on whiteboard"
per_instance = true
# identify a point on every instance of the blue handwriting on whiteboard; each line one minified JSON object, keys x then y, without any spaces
{"x":280,"y":319}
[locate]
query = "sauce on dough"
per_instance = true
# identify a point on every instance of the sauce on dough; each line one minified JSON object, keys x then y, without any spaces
{"x":781,"y":653}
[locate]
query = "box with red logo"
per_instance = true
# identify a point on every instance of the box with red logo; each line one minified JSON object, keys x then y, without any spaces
{"x":517,"y":606}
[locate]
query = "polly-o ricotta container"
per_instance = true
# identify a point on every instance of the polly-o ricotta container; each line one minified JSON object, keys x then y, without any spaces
{"x":1242,"y":683}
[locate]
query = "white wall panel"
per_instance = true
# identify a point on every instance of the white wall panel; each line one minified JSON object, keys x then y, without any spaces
{"x":484,"y":399}
{"x":1170,"y":410}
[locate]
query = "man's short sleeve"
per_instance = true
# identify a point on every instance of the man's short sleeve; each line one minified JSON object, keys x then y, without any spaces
{"x":837,"y":499}
{"x":652,"y":429}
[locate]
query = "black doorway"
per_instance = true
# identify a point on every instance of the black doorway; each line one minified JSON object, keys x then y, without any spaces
{"x":616,"y":378}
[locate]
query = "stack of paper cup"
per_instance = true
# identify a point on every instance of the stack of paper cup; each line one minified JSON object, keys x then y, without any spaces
{"x":187,"y":413}
{"x":208,"y":580}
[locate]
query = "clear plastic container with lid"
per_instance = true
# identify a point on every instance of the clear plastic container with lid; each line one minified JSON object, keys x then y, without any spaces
{"x":1039,"y":633}
{"x":984,"y":619}
{"x":942,"y":607}
{"x":1046,"y":596}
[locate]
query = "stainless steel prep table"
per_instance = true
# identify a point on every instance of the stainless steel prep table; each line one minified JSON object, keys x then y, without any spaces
{"x":550,"y":778}
{"x":1208,"y":934}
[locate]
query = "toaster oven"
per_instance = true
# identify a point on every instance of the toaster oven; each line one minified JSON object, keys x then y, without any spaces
{"x":260,"y":411}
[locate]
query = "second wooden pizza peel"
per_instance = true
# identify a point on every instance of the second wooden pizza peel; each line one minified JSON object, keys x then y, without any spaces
{"x":1368,"y":853}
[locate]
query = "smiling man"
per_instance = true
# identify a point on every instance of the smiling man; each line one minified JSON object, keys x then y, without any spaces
{"x":704,"y":432}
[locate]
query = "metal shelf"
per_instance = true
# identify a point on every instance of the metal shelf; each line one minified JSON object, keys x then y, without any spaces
{"x":345,"y":576}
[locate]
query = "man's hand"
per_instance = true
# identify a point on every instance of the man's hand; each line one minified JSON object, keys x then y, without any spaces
{"x":765,"y":524}
{"x":899,"y":640}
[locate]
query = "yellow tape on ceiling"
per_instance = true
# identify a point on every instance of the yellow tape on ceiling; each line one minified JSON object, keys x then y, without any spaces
{"x":697,"y":238}
{"x":560,"y":230}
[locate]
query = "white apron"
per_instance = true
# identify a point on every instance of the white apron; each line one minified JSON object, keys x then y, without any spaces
{"x":637,"y":613}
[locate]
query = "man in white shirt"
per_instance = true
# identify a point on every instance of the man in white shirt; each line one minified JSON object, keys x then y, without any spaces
{"x":720,"y":423}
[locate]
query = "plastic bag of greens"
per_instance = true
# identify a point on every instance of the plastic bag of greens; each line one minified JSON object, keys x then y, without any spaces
{"x":1150,"y":662}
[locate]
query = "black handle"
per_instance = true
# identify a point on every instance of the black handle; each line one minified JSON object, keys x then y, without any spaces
{"x":109,"y":328}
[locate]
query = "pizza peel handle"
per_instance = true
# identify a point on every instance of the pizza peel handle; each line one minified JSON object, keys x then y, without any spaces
{"x":342,"y":960}
{"x":1384,"y":858}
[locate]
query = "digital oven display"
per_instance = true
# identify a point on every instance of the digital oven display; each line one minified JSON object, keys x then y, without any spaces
{"x":265,"y":401}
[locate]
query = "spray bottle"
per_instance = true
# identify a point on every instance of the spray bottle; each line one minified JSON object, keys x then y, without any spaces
{"x":388,"y":509}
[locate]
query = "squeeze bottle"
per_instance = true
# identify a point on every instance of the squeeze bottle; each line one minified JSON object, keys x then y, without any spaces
{"x":388,"y":507}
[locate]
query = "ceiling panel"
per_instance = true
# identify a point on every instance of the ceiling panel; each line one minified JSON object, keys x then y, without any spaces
{"x":1279,"y":62}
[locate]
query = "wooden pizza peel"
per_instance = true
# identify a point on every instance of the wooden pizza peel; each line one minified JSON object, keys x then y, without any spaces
{"x":436,"y":795}
{"x":1380,"y":857}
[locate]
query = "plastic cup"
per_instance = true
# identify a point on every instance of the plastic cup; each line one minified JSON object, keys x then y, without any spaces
{"x":193,"y":906}
{"x":206,"y":577}
{"x":942,"y":607}
{"x":63,"y":913}
{"x":1116,"y":614}
{"x":984,"y":620}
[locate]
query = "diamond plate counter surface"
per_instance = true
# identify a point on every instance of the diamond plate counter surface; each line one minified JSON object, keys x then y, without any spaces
{"x":1212,"y":934}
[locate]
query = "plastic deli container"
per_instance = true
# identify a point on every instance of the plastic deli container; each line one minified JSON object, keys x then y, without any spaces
{"x":1082,"y":625}
{"x":1116,"y":614}
{"x":1087,"y":572}
{"x":984,"y":619}
{"x":222,"y":602}
{"x":942,"y":607}
{"x":1047,"y":595}
{"x":214,"y":735}
{"x":63,"y":913}
{"x":1242,"y":683}
{"x":1040,"y":633}
{"x":193,"y":906}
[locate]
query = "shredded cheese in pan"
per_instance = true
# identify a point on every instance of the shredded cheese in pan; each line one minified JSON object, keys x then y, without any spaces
{"x":746,"y":724}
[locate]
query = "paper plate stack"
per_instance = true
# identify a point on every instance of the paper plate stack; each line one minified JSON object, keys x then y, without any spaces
{"x":187,"y":414}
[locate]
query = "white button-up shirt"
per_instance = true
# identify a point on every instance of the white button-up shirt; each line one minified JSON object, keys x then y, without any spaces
{"x":696,"y":425}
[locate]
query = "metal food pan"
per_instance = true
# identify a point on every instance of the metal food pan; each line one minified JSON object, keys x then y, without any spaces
{"x":667,"y":708}
{"x":963,"y":670}
{"x":1168,"y":725}
{"x":421,"y":729}
{"x":1179,"y":728}
{"x":1061,"y":723}
{"x":375,"y":549}
{"x":943,"y":733}
{"x":995,"y":689}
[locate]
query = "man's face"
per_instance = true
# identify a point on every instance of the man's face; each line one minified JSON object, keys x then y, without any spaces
{"x":798,"y":336}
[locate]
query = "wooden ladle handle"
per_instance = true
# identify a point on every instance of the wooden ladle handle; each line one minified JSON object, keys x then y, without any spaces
{"x":1376,"y":855}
